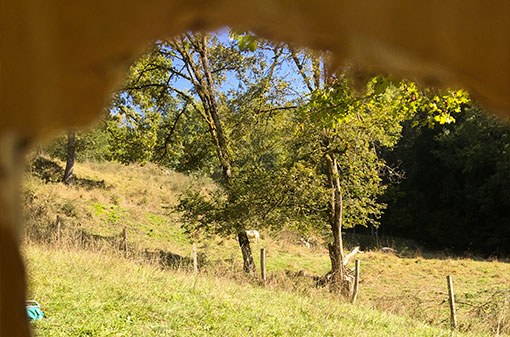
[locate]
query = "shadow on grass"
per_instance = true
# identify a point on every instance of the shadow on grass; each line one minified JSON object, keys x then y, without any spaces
{"x":171,"y":260}
{"x":51,"y":172}
{"x":408,"y":248}
{"x":88,"y":239}
{"x":163,"y":258}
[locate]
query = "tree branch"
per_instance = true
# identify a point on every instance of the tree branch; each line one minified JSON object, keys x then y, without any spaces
{"x":172,"y":129}
{"x":300,"y":67}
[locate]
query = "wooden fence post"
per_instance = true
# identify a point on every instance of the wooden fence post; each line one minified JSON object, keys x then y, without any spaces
{"x":356,"y":282}
{"x":58,"y":228}
{"x":195,"y":259}
{"x":452,"y":302}
{"x":263,"y":264}
{"x":124,"y":241}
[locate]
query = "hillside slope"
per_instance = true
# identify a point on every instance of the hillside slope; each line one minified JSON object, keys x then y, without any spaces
{"x":108,"y":197}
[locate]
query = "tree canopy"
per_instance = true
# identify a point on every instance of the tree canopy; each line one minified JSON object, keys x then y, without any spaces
{"x":293,"y":145}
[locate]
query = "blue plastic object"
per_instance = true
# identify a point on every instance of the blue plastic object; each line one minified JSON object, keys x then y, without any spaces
{"x":34,"y":311}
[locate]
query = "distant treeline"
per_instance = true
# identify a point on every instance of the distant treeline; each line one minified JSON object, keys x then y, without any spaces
{"x":455,"y":187}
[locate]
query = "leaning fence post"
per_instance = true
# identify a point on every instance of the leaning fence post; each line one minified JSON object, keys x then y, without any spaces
{"x":452,"y":302}
{"x":195,"y":259}
{"x":58,"y":228}
{"x":263,"y":265}
{"x":124,"y":241}
{"x":356,"y":282}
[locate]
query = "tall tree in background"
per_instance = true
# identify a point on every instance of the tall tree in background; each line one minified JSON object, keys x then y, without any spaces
{"x":88,"y":145}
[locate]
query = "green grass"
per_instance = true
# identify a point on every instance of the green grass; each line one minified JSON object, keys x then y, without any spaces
{"x":86,"y":294}
{"x":142,"y":200}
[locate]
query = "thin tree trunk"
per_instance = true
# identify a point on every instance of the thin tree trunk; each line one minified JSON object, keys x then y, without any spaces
{"x":316,"y":68}
{"x":211,"y":108}
{"x":335,"y":248}
{"x":244,"y":243}
{"x":71,"y":147}
{"x":217,"y":130}
{"x":200,"y":75}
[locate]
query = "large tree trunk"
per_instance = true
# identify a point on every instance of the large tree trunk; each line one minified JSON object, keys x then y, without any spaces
{"x":71,"y":147}
{"x":339,"y":281}
{"x":244,"y":243}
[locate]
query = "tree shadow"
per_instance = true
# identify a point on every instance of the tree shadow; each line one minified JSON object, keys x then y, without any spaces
{"x":169,"y":259}
{"x":410,"y":249}
{"x":51,"y":172}
{"x":89,"y":184}
{"x":46,"y":170}
{"x":112,"y":240}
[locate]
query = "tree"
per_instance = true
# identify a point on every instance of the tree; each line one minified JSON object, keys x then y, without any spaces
{"x":345,"y":131}
{"x":268,"y":190}
{"x":181,"y":77}
{"x":71,"y":147}
{"x":289,"y":154}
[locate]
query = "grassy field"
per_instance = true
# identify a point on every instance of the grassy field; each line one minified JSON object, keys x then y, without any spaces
{"x":84,"y":293}
{"x":108,"y":197}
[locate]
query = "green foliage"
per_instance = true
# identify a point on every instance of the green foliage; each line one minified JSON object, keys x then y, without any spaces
{"x":441,"y":107}
{"x":134,"y":135}
{"x":353,"y":129}
{"x":279,"y":175}
{"x":245,"y":41}
{"x":257,"y":198}
{"x":356,"y":129}
{"x":164,"y":113}
{"x":276,"y":136}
